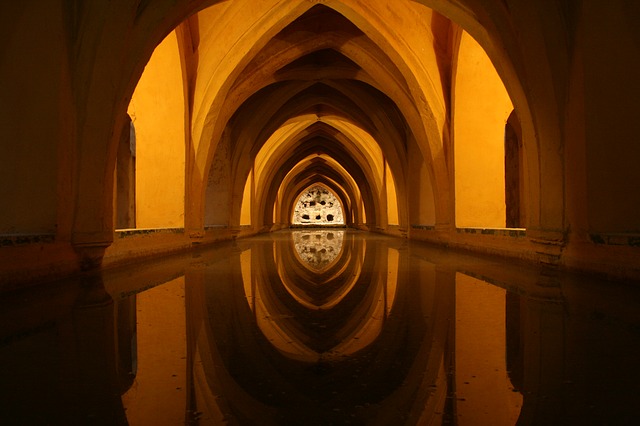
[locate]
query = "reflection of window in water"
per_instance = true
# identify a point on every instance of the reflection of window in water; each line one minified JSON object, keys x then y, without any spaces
{"x":319,"y":248}
{"x":318,"y":206}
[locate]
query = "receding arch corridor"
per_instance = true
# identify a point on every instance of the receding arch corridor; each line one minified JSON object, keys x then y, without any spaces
{"x":473,"y":164}
{"x":161,"y":125}
{"x":322,"y":326}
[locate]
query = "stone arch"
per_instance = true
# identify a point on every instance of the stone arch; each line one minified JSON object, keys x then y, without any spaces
{"x":319,"y":109}
{"x":300,"y":167}
{"x":306,"y":176}
{"x":307,"y":109}
{"x":434,"y":134}
{"x":100,"y":109}
{"x":534,"y":95}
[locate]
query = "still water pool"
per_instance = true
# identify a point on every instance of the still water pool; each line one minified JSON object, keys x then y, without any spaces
{"x":322,"y":327}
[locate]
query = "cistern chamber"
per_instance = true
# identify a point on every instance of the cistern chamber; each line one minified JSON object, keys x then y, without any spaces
{"x":319,"y":212}
{"x":321,"y":326}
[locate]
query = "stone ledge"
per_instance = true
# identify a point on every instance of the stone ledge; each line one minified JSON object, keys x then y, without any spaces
{"x":424,"y":227}
{"x":211,"y":227}
{"x":12,"y":240}
{"x":124,"y":233}
{"x":631,"y":240}
{"x":505,"y":232}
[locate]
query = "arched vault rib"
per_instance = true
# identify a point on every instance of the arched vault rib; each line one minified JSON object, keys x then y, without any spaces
{"x":313,"y":147}
{"x":357,"y":144}
{"x":96,"y":124}
{"x":313,"y":143}
{"x":345,"y":52}
{"x":345,"y":171}
{"x":293,"y":142}
{"x":255,"y":125}
{"x":319,"y":169}
{"x":360,"y":17}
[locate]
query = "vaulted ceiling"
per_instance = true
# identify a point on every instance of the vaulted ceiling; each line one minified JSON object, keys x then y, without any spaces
{"x":320,"y":97}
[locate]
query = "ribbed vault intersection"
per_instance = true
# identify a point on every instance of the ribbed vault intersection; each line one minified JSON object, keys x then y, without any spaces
{"x":313,"y":106}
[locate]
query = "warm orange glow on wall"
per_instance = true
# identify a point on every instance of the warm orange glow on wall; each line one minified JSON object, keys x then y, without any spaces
{"x":247,"y":201}
{"x":482,"y":106}
{"x":157,"y":111}
{"x":392,"y":199}
{"x":362,"y":210}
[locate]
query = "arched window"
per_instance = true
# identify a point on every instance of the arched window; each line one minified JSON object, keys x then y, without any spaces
{"x":318,"y":206}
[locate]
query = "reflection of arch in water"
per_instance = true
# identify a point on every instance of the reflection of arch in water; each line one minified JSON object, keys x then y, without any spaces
{"x":325,"y":293}
{"x":347,"y":305}
{"x":317,"y":312}
{"x":318,"y":249}
{"x":253,"y":381}
{"x":324,"y":289}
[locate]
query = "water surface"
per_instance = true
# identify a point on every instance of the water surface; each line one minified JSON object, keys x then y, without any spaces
{"x":322,"y":327}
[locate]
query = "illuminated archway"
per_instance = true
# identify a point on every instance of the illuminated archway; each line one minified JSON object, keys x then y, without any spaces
{"x":415,"y":92}
{"x":481,"y":108}
{"x":375,"y":62}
